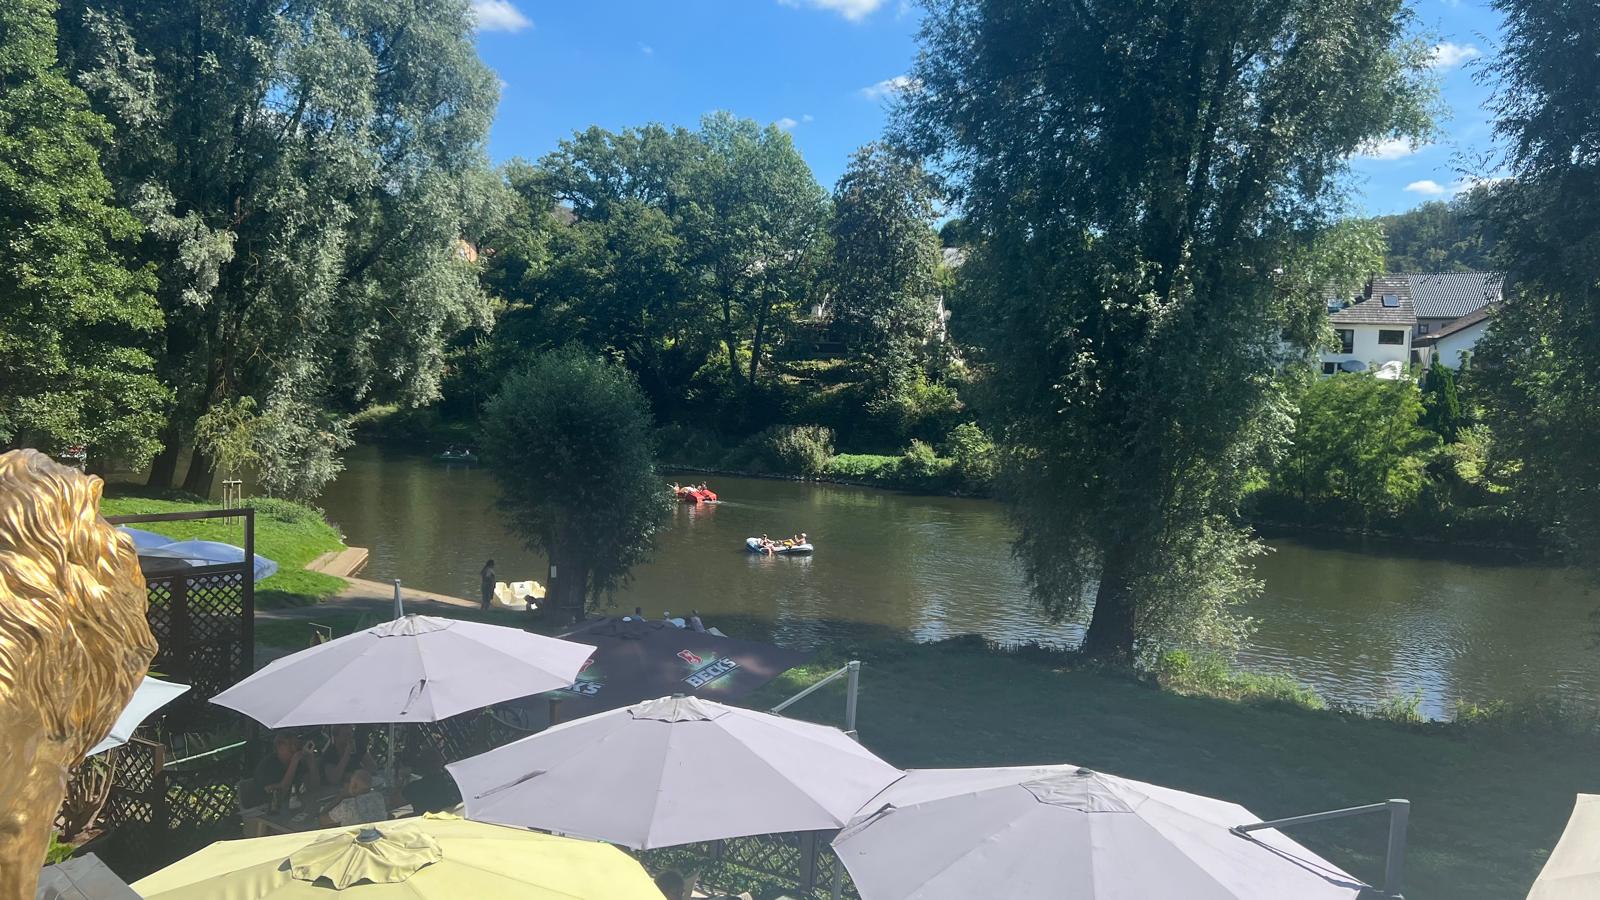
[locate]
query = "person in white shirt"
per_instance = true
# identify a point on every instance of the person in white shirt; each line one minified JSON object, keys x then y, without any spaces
{"x":359,"y":803}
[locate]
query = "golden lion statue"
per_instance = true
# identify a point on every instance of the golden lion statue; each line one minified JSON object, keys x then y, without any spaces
{"x":74,"y":645}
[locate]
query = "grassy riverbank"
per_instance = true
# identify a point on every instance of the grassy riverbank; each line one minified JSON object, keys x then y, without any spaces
{"x":1488,"y":800}
{"x":287,"y":533}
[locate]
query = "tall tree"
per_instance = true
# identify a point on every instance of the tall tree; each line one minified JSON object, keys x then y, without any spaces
{"x":614,"y":268}
{"x":76,"y":325}
{"x":883,"y":275}
{"x":1539,"y":366}
{"x":305,"y":172}
{"x":569,"y":439}
{"x":1138,"y":172}
{"x":760,"y":228}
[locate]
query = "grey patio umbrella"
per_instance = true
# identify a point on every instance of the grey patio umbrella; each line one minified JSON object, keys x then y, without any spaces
{"x":673,"y":771}
{"x":1573,"y":870}
{"x":1062,"y":831}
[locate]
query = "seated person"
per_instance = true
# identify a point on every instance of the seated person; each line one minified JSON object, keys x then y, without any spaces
{"x":290,"y":763}
{"x":433,"y":790}
{"x":345,"y":751}
{"x":358,"y":803}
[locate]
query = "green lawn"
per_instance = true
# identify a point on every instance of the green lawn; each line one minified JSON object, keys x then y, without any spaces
{"x":286,"y":533}
{"x":1488,"y":802}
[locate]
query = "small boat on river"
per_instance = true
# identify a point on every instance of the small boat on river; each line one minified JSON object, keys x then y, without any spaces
{"x":694,"y":494}
{"x":453,"y":455}
{"x":779,"y":548}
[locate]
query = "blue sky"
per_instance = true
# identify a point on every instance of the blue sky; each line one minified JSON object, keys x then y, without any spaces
{"x":822,"y":68}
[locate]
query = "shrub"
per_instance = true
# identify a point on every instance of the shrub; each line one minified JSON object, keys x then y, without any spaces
{"x":1405,"y":709}
{"x":972,"y":456}
{"x":786,"y":449}
{"x":921,"y":467}
{"x":1209,"y":675}
{"x":865,"y":467}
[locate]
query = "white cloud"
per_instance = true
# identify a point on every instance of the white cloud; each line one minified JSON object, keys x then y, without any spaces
{"x":808,"y":117}
{"x":786,"y":123}
{"x":646,"y":49}
{"x":1448,"y":55}
{"x":499,"y":15}
{"x":889,"y":87}
{"x":854,"y":10}
{"x":1426,"y":186}
{"x":1392,"y":148}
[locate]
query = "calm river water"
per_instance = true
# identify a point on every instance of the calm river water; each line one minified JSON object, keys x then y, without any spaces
{"x":1358,"y":624}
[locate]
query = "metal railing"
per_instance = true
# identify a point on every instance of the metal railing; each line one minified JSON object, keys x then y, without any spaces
{"x":1394,"y":863}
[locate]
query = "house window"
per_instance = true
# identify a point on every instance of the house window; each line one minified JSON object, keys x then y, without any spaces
{"x":1347,"y":340}
{"x":1423,"y":328}
{"x":1387,"y":336}
{"x":1329,"y":368}
{"x":1392,"y":301}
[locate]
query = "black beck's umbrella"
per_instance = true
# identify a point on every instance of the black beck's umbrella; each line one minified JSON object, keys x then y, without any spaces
{"x":642,"y":660}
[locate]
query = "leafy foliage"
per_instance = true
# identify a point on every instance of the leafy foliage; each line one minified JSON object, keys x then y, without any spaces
{"x":883,"y":275}
{"x":304,"y":173}
{"x":788,"y":449}
{"x":972,"y":456}
{"x":1539,"y":363}
{"x":569,"y":440}
{"x":1137,"y":172}
{"x":77,"y":322}
{"x":1439,"y":236}
{"x":1441,"y":403}
{"x":1357,"y":440}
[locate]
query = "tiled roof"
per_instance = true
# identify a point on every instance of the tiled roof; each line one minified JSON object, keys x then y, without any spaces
{"x":1371,"y":311}
{"x":1450,"y":295}
{"x":1461,"y":324}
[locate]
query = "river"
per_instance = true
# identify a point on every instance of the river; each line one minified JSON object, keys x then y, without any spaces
{"x":1358,"y":623}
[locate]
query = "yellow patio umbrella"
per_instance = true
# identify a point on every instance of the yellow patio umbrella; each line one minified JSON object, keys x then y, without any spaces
{"x":436,"y":856}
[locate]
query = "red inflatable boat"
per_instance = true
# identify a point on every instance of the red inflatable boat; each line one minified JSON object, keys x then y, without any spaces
{"x":691,"y":494}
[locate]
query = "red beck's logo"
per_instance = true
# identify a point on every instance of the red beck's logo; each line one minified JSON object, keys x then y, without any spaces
{"x":689,"y":657}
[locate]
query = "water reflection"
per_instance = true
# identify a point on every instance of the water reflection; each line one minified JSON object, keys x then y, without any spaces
{"x":1359,"y":626}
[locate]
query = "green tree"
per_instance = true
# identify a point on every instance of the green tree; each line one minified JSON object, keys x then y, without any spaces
{"x":759,"y":231}
{"x":76,"y":325}
{"x":614,"y":270}
{"x":569,"y":440}
{"x":1357,"y":441}
{"x":1442,"y":403}
{"x":1138,"y":171}
{"x":1439,"y":236}
{"x":1539,"y":365}
{"x":883,"y":276}
{"x":305,"y":173}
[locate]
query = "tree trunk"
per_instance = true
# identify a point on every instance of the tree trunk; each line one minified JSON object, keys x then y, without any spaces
{"x":164,"y":468}
{"x":202,"y":473}
{"x":569,"y":586}
{"x":1111,"y":629}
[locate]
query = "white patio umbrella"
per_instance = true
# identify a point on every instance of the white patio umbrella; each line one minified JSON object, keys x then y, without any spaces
{"x":151,"y":695}
{"x":673,"y":771}
{"x":1061,"y":831}
{"x":1573,"y":870}
{"x":413,"y":669}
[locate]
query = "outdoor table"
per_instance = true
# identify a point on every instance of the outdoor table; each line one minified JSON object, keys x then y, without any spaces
{"x":259,"y":822}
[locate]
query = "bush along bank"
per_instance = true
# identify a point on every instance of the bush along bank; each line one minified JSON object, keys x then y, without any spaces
{"x":963,"y":464}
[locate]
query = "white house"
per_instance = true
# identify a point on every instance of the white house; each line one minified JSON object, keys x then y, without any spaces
{"x":1374,"y":330}
{"x":1453,"y":343}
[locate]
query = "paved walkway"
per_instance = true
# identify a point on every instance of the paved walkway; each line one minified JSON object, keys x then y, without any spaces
{"x":374,"y":597}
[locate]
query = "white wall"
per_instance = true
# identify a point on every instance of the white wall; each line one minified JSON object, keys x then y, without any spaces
{"x":1368,"y":350}
{"x":1451,"y":348}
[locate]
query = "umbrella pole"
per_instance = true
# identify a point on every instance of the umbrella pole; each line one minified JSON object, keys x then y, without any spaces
{"x":399,"y":613}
